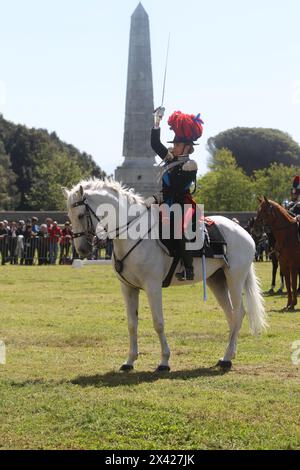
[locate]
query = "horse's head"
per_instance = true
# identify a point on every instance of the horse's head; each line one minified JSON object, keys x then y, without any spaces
{"x":102,"y":208}
{"x":80,"y":219}
{"x":256,"y":227}
{"x":266,"y":213}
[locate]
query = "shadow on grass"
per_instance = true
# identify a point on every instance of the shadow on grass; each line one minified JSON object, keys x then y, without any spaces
{"x":276,"y":295}
{"x":115,"y":379}
{"x":285,"y":312}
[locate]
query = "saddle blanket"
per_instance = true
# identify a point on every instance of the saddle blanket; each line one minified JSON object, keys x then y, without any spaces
{"x":214,"y":244}
{"x":214,"y":247}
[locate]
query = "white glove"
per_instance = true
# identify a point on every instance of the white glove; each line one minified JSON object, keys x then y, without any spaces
{"x":169,"y":157}
{"x":158,"y":115}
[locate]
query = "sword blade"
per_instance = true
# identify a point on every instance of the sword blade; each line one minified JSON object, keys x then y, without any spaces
{"x":166,"y":68}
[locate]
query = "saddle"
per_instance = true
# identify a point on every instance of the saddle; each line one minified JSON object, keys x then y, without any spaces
{"x":214,"y":246}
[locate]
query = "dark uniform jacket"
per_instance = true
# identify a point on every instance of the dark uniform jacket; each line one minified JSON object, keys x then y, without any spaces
{"x":176,"y":180}
{"x":294,"y":208}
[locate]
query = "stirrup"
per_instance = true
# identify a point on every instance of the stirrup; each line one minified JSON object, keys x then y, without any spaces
{"x":185,"y":275}
{"x":180,"y":276}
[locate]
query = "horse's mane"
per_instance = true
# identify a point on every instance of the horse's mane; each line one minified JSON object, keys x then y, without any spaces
{"x":94,"y":184}
{"x":282,"y":210}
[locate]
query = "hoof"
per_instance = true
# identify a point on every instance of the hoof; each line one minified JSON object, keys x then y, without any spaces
{"x":271,"y":292}
{"x":288,"y":308}
{"x":291,"y":309}
{"x":225,"y":365}
{"x":126,"y":368}
{"x":163,"y":369}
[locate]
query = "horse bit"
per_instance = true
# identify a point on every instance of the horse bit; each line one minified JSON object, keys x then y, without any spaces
{"x":90,"y":232}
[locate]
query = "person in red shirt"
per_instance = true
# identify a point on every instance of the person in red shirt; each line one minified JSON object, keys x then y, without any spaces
{"x":65,"y":242}
{"x":54,"y":235}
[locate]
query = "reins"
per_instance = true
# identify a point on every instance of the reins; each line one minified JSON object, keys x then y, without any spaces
{"x":90,"y":211}
{"x":288,"y":222}
{"x":90,"y":232}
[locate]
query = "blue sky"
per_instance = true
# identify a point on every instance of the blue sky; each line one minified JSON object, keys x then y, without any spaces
{"x":64,"y":63}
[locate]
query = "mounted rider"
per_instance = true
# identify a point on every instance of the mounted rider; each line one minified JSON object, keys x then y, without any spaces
{"x":294,"y":205}
{"x":180,"y":171}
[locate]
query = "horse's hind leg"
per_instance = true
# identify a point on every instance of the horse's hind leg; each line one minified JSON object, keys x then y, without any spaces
{"x":218,"y":285}
{"x":154,"y":294}
{"x":235,"y":283}
{"x":230,"y":299}
{"x":131,"y":296}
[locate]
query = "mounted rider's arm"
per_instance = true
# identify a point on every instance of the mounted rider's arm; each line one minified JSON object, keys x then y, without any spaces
{"x":182,"y":182}
{"x":294,"y":210}
{"x":160,"y":150}
{"x":189,"y":170}
{"x":156,"y":144}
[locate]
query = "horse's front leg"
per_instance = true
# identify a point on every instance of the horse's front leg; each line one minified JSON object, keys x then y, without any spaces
{"x":287,"y":277}
{"x":154,"y":294}
{"x":274,"y":272}
{"x":294,"y":275}
{"x":131,"y":296}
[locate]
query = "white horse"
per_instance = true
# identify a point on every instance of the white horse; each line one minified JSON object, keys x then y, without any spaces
{"x":147,"y":265}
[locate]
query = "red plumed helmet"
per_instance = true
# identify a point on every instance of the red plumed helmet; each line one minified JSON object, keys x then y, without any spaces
{"x":187,"y":127}
{"x":296,"y":183}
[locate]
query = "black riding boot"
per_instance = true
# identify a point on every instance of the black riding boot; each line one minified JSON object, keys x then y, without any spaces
{"x":188,"y":273}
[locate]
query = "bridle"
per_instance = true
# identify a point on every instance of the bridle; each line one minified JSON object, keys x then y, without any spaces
{"x":90,"y":233}
{"x":270,"y":212}
{"x":89,"y":213}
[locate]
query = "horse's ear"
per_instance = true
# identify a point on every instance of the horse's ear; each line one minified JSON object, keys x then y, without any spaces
{"x":266,"y":200}
{"x":260,"y":199}
{"x":81,"y":190}
{"x":65,"y":192}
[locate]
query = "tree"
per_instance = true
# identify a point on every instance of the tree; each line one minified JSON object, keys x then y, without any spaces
{"x":9,"y":197}
{"x":36,"y":159}
{"x":45,"y":192}
{"x":256,"y":148}
{"x":226,"y":187}
{"x":275,"y":182}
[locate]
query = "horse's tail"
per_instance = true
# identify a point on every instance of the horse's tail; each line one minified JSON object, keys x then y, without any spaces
{"x":255,"y":303}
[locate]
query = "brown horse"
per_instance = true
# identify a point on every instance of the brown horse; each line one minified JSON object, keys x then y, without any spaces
{"x":285,"y":230}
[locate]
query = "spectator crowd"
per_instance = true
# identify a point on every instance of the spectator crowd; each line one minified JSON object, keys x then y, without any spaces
{"x":29,"y":243}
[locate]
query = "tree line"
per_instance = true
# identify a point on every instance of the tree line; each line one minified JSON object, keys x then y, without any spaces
{"x":35,"y":164}
{"x":227,"y":187}
{"x":244,"y":163}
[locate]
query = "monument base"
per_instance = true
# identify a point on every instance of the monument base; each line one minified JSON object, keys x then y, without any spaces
{"x":143,"y":179}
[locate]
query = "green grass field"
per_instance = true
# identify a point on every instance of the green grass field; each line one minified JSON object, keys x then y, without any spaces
{"x":66,"y":336}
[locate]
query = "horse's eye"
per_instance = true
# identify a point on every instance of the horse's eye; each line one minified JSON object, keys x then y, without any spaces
{"x":80,"y":216}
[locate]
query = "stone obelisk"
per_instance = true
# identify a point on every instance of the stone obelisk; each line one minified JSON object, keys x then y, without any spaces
{"x":138,"y":170}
